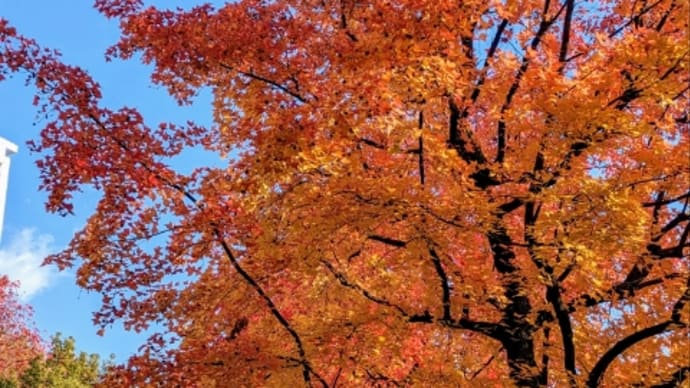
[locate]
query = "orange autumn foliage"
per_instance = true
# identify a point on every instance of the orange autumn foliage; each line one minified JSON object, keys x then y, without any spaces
{"x":19,"y":340}
{"x":412,"y":193}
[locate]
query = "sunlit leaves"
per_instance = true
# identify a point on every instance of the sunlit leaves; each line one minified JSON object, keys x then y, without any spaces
{"x":415,"y":193}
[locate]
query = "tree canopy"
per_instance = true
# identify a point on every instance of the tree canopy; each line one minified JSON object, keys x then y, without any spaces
{"x":62,"y":367}
{"x":26,"y":361}
{"x":410,"y":192}
{"x":19,"y":339}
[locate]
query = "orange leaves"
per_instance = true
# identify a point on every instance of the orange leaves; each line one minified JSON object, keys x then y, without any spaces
{"x":19,"y":341}
{"x":423,"y":193}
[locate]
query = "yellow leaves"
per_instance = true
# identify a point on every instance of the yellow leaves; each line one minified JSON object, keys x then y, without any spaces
{"x":509,"y":10}
{"x":322,"y":160}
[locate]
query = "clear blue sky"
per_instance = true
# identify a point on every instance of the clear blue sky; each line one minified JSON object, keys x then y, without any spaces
{"x":82,"y":35}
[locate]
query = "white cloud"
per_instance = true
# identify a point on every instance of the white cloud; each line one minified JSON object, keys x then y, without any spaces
{"x":21,"y":256}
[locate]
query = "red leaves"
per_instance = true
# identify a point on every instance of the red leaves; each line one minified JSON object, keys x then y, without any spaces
{"x":118,"y":8}
{"x":508,"y":223}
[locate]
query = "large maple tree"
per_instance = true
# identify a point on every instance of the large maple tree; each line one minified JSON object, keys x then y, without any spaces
{"x":411,"y":192}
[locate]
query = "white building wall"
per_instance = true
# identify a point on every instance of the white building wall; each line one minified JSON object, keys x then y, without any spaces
{"x":6,"y":149}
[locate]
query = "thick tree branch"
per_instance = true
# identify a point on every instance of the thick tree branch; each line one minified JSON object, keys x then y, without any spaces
{"x":455,"y":138}
{"x":553,"y":288}
{"x":597,"y":373}
{"x":565,"y":37}
{"x":493,"y":330}
{"x":566,"y":329}
{"x":563,"y":319}
{"x":661,"y":202}
{"x":677,"y":220}
{"x":492,"y":48}
{"x":636,"y":277}
{"x":621,"y":290}
{"x":600,"y":367}
{"x":518,"y":339}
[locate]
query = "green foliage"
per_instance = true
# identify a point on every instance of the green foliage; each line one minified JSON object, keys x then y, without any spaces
{"x":6,"y":382}
{"x":63,"y":368}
